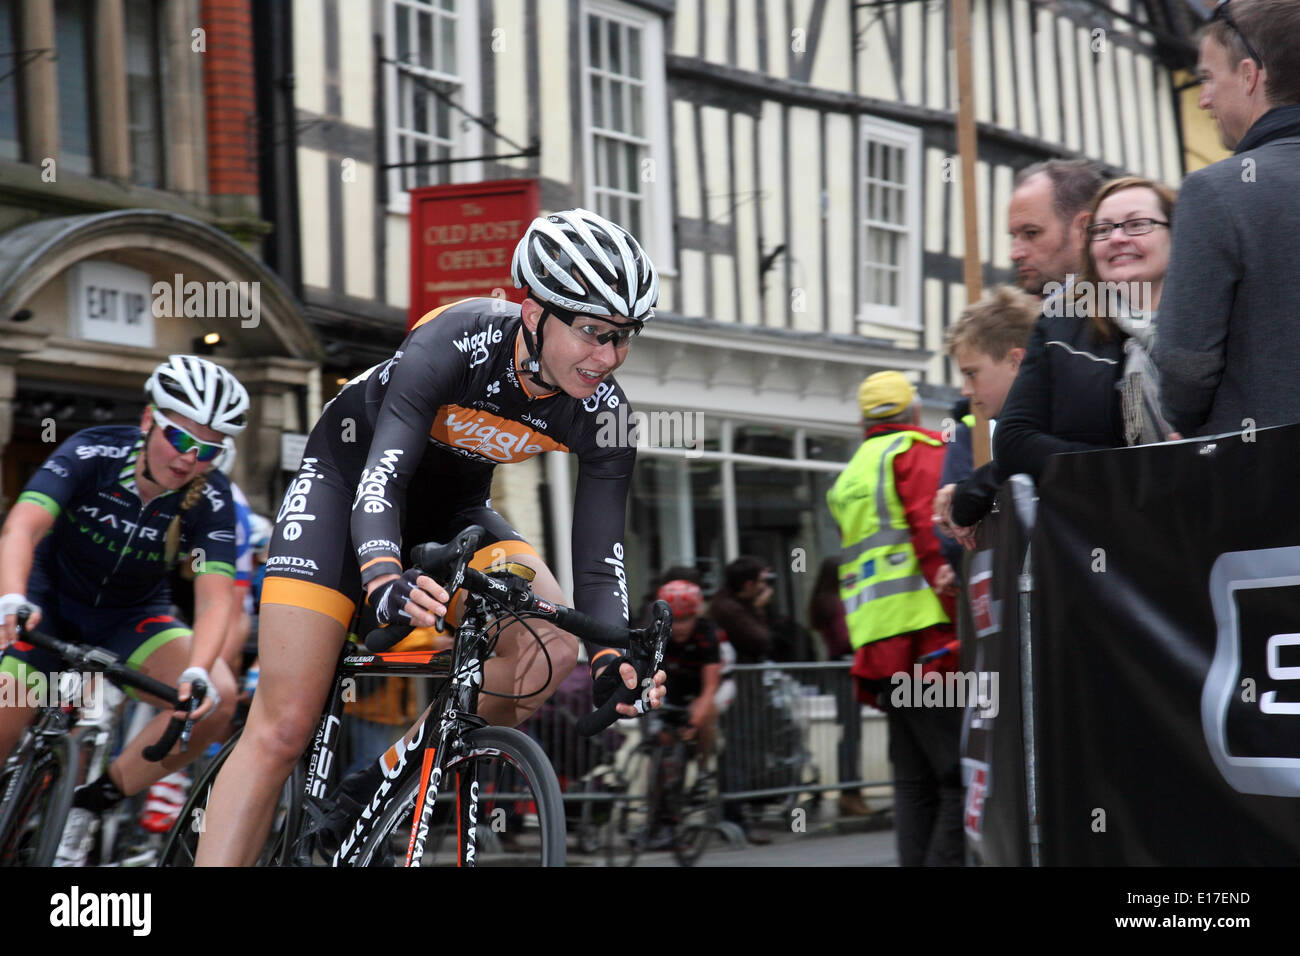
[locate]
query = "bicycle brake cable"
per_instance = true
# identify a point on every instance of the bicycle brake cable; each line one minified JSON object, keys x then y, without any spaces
{"x":502,"y":621}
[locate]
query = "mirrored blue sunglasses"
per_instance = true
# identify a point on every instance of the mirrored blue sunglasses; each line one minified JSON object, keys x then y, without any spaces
{"x":183,"y":441}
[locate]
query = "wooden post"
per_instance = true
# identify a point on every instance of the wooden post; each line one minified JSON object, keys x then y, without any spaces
{"x":968,"y":148}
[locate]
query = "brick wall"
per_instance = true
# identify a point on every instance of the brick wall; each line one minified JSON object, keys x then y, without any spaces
{"x":231,"y":99}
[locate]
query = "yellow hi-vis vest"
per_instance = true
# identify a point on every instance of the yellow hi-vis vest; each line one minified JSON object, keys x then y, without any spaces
{"x":881,"y":584}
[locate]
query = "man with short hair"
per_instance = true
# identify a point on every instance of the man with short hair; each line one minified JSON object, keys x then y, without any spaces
{"x":897,"y":595}
{"x":1046,"y":219}
{"x":740,"y":607}
{"x":1228,"y":340}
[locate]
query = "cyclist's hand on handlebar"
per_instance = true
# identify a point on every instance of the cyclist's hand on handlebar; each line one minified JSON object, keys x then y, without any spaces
{"x":210,"y":700}
{"x":657,"y":693}
{"x":628,"y":673}
{"x":9,"y":605}
{"x":413,"y":598}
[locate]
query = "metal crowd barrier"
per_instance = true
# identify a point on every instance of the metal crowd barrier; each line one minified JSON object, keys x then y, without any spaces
{"x":788,"y":729}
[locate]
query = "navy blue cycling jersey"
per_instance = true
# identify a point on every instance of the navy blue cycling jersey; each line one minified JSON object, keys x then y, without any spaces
{"x":451,"y":404}
{"x":107,"y":547}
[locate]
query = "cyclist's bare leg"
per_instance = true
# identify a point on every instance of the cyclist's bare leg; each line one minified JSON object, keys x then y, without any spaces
{"x":520,"y":666}
{"x":131,"y":772}
{"x":15,"y":715}
{"x":706,"y":733}
{"x":298,"y":650}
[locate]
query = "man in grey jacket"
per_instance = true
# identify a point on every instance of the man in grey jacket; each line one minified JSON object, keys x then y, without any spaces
{"x":1228,"y":345}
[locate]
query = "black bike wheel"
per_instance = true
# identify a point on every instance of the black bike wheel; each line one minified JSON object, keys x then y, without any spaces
{"x":699,"y":811}
{"x":631,"y":820}
{"x":37,"y":798}
{"x":182,"y":840}
{"x":519,"y":820}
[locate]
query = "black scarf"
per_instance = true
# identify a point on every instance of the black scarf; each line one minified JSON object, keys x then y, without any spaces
{"x":1279,"y":122}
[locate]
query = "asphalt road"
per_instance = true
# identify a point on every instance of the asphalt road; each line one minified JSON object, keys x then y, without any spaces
{"x":875,"y":848}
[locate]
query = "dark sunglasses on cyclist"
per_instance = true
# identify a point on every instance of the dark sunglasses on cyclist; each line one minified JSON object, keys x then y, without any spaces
{"x":590,"y":334}
{"x":183,"y":441}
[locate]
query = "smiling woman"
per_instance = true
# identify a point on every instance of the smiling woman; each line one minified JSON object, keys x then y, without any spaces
{"x":1086,"y":381}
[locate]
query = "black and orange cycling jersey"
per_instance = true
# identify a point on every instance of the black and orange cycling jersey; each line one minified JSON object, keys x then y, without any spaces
{"x":406,"y":451}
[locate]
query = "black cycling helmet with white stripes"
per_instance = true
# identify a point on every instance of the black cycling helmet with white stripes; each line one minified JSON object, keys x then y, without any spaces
{"x":200,"y":390}
{"x":578,"y":262}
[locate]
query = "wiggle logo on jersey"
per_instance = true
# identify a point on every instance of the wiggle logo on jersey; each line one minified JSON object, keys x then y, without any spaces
{"x":476,"y":345}
{"x":388,"y":367}
{"x":371,"y":497}
{"x":604,"y":393}
{"x":489,"y":436}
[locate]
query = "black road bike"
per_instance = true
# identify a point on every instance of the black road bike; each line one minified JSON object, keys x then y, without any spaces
{"x":662,"y":795}
{"x":38,"y":780}
{"x":456,"y":791}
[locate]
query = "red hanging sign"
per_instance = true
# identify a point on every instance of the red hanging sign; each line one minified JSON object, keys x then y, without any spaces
{"x":463,"y":238}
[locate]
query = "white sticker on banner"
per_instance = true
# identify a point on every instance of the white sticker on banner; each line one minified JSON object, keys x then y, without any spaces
{"x":1254,"y":739}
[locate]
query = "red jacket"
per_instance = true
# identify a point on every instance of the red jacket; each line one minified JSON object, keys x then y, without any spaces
{"x":916,"y":477}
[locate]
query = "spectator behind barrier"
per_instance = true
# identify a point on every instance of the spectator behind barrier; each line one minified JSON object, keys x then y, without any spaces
{"x":1046,"y":216}
{"x":1128,"y":273}
{"x":988,"y":344}
{"x":1229,"y":339}
{"x":739,"y":607}
{"x":1067,"y":395}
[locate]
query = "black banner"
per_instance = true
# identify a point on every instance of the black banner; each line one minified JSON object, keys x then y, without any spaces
{"x":1166,"y":641}
{"x":993,"y":755}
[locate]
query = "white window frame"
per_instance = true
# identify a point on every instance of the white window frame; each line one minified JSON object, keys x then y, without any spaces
{"x":908,"y":313}
{"x":657,"y":201}
{"x":469,"y":142}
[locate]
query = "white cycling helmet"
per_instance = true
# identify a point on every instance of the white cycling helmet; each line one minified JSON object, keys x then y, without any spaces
{"x":580,"y":262}
{"x":200,"y":390}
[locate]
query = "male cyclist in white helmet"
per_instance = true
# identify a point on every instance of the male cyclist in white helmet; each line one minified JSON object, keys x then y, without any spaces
{"x":88,"y":544}
{"x":405,"y":454}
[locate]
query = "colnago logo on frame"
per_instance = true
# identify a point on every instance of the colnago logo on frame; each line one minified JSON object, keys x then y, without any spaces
{"x":394,"y":759}
{"x":1250,"y":702}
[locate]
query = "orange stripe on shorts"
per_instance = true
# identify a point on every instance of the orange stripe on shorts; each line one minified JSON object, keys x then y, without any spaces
{"x":313,"y":597}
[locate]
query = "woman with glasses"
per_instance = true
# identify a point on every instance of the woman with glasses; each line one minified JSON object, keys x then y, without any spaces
{"x":1126,"y":258}
{"x":1086,"y":380}
{"x":1068,"y":394}
{"x":404,"y":454}
{"x":89,"y":544}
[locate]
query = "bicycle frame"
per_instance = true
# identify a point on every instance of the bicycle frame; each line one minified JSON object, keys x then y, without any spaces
{"x":454,"y":721}
{"x":456,"y":704}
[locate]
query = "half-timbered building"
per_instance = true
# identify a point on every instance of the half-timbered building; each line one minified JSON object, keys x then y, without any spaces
{"x":791,"y":167}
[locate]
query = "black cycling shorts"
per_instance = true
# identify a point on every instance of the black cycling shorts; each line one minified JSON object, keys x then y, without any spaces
{"x":313,"y":561}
